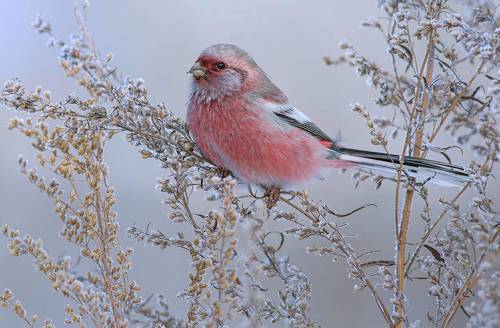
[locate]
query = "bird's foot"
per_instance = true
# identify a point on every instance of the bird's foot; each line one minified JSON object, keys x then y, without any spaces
{"x":222,"y":172}
{"x":272,"y":195}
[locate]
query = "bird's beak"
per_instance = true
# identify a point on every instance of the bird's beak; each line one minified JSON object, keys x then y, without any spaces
{"x":198,"y":71}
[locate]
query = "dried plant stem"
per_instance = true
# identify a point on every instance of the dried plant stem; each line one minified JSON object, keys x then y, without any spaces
{"x":407,"y":143}
{"x":348,"y":253}
{"x":455,"y":103}
{"x":18,"y":309}
{"x":297,"y":208}
{"x":469,"y":283}
{"x":402,"y":230}
{"x":431,"y":229}
{"x":103,"y":237}
{"x":185,"y":203}
{"x":405,"y":219}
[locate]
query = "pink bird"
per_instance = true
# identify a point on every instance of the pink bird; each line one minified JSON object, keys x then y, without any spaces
{"x":245,"y":124}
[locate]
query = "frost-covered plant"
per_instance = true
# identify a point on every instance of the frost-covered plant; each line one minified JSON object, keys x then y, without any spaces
{"x":456,"y":255}
{"x":427,"y":95}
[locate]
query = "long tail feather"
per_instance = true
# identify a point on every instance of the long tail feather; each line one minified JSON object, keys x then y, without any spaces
{"x":437,"y":172}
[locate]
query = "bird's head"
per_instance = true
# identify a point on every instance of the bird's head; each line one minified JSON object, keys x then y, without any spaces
{"x":224,"y":70}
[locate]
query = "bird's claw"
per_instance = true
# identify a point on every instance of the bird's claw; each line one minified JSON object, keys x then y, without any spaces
{"x":272,"y":196}
{"x":222,"y":172}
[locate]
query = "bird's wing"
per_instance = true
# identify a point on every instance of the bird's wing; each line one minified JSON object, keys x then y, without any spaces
{"x":294,"y":117}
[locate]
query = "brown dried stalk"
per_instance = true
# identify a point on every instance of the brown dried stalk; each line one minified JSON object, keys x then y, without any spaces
{"x":405,"y":218}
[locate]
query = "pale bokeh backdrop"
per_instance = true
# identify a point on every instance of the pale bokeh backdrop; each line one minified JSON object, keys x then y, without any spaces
{"x":158,"y":41}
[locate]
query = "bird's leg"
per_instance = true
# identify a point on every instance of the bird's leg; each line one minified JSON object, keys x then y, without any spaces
{"x":222,"y":172}
{"x":272,"y":195}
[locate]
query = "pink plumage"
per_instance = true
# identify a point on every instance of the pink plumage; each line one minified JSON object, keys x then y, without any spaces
{"x":242,"y":122}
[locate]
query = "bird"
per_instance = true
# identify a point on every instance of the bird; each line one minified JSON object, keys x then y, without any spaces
{"x":244,"y":124}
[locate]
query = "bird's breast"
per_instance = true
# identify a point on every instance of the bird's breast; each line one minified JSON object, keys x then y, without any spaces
{"x":252,"y":144}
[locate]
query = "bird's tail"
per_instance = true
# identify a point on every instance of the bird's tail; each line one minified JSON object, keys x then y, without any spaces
{"x":388,"y":164}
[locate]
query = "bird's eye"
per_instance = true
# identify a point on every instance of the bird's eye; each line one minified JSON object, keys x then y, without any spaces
{"x":220,"y":65}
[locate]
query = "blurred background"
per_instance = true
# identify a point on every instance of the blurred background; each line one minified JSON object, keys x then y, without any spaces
{"x":159,"y":41}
